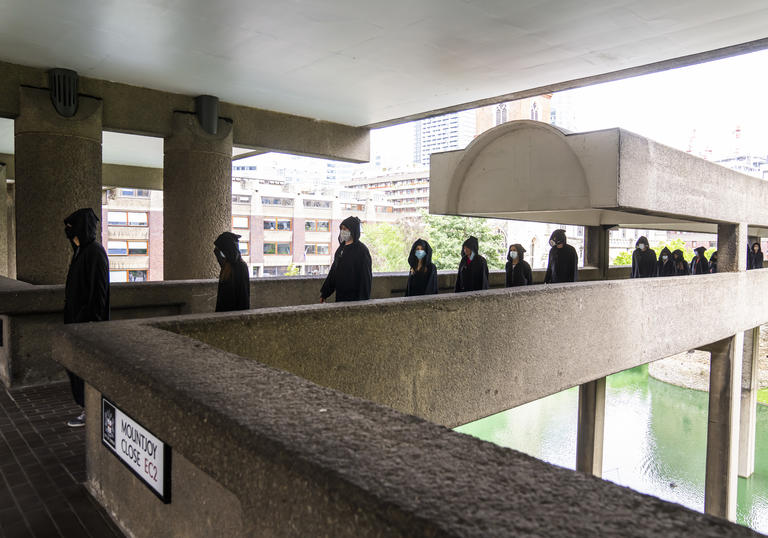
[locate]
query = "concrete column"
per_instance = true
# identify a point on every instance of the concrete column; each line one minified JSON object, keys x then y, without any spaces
{"x":58,"y":170}
{"x":3,"y":223}
{"x":731,"y":247}
{"x":589,"y":437}
{"x":723,"y":427}
{"x":11,"y":223}
{"x":596,"y":248}
{"x":749,"y":387}
{"x":197,"y":197}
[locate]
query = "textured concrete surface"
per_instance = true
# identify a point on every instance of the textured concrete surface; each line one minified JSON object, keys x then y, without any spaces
{"x":58,"y":170}
{"x":309,"y":461}
{"x":11,"y":223}
{"x":32,"y":312}
{"x":449,"y":359}
{"x":3,"y":224}
{"x":137,"y":110}
{"x":197,"y":180}
{"x":133,"y":177}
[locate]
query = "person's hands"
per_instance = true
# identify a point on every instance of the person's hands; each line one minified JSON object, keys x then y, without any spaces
{"x":322,"y":300}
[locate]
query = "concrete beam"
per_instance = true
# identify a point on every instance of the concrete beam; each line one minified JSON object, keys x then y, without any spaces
{"x":562,"y":349}
{"x":131,"y":177}
{"x":591,"y":427}
{"x":748,"y":408}
{"x":721,"y":482}
{"x":131,"y":109}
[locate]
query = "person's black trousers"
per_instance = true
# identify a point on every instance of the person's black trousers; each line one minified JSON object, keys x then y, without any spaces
{"x":78,"y":388}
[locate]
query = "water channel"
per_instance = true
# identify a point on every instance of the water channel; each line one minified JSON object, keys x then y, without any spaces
{"x":655,"y":440}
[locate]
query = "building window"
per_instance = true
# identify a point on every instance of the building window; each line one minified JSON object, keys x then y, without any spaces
{"x":317,"y":269}
{"x":317,"y":226}
{"x":127,"y":218}
{"x":243,"y":248}
{"x":353,"y":207}
{"x":138,"y":247}
{"x":135,"y":193}
{"x":128,"y":276}
{"x":501,"y":113}
{"x":287,"y":202}
{"x":383,"y":209}
{"x":241,"y":198}
{"x":321,"y":204}
{"x":535,"y":111}
{"x":275,"y":270}
{"x":280,"y":249}
{"x":240,"y":222}
{"x":317,"y":249}
{"x":117,"y":248}
{"x":283,"y":225}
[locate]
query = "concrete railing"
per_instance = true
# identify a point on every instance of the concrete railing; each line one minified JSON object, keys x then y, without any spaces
{"x":260,"y":451}
{"x":29,"y":313}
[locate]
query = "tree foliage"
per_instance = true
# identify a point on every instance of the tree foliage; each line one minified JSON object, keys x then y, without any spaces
{"x":388,"y":246}
{"x":446,"y":234}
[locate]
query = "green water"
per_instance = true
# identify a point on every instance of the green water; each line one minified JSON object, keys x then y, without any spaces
{"x":655,"y":440}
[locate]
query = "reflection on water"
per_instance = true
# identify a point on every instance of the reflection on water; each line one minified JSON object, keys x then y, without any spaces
{"x":655,"y":440}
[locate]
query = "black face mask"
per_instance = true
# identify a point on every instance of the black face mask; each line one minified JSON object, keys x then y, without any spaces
{"x":69,"y":231}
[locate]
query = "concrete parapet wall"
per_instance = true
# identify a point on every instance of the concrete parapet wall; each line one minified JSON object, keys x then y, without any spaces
{"x":32,"y":312}
{"x":304,"y":460}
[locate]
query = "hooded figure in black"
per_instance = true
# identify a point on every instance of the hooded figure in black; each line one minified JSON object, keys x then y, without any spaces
{"x":422,"y":279}
{"x":350,"y":275}
{"x":86,"y":294}
{"x":665,"y":266}
{"x":234,"y":283}
{"x":563,"y":265}
{"x":755,"y":257}
{"x":518,"y":271}
{"x":681,"y":266}
{"x":473,"y":269}
{"x":713,"y":263}
{"x":699,"y":265}
{"x":643,"y":259}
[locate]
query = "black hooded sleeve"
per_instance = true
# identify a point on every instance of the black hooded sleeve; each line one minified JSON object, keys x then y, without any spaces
{"x":575,"y":259}
{"x":485,"y":284}
{"x":548,"y":275}
{"x":457,"y":288}
{"x":366,"y":275}
{"x":527,"y":273}
{"x":96,"y":266}
{"x":510,"y":275}
{"x":431,"y":288}
{"x":329,"y":284}
{"x":634,"y":273}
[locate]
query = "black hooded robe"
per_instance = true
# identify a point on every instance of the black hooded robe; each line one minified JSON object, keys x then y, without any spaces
{"x":643,"y":261}
{"x":681,"y":266}
{"x":699,"y":264}
{"x":665,"y":268}
{"x":713,"y":263}
{"x":518,"y":274}
{"x":350,"y":275}
{"x":422,"y":282}
{"x":86,"y":293}
{"x":473,"y":274}
{"x":755,"y":259}
{"x":563,"y":265}
{"x":234,"y":291}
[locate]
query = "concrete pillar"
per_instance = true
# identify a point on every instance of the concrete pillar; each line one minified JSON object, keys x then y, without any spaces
{"x":721,"y":480}
{"x":596,"y":248}
{"x":589,"y":437}
{"x":11,"y":223}
{"x":749,"y":387}
{"x":731,"y":247}
{"x":197,"y":197}
{"x":3,"y":223}
{"x":58,"y":170}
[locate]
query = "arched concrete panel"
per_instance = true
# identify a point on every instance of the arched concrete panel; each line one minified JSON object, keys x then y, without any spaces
{"x":521,"y":166}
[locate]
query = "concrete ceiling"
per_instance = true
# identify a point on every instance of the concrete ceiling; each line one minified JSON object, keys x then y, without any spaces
{"x":362,"y":63}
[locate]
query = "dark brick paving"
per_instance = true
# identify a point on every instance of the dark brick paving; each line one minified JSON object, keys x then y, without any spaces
{"x":42,"y":468}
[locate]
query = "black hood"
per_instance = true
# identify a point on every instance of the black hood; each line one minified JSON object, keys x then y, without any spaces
{"x":558,"y":236}
{"x":413,"y":261}
{"x":228,"y":244}
{"x":665,"y":252}
{"x":472,"y":243}
{"x":679,"y":253}
{"x":713,"y":257}
{"x":643,"y":240}
{"x":700,"y":251}
{"x":520,"y":252}
{"x":752,"y":248}
{"x":353,"y":225}
{"x":85,"y":225}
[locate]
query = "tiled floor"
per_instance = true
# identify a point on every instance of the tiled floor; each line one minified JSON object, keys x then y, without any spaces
{"x":42,"y":468}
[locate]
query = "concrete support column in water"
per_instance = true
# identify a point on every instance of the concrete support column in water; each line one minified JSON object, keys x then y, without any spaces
{"x":749,"y":387}
{"x":591,"y":427}
{"x":197,"y":198}
{"x":58,"y":170}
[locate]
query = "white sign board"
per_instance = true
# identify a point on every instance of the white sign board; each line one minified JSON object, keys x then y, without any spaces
{"x":143,"y":453}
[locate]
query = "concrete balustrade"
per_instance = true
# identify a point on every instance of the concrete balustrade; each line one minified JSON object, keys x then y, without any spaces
{"x":260,"y":451}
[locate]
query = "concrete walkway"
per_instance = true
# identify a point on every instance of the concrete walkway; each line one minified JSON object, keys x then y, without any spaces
{"x":42,"y":468}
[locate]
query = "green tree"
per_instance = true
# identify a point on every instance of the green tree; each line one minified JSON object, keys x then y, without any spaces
{"x":446,"y":234}
{"x":293,"y":270}
{"x":388,"y":247}
{"x":623,"y":258}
